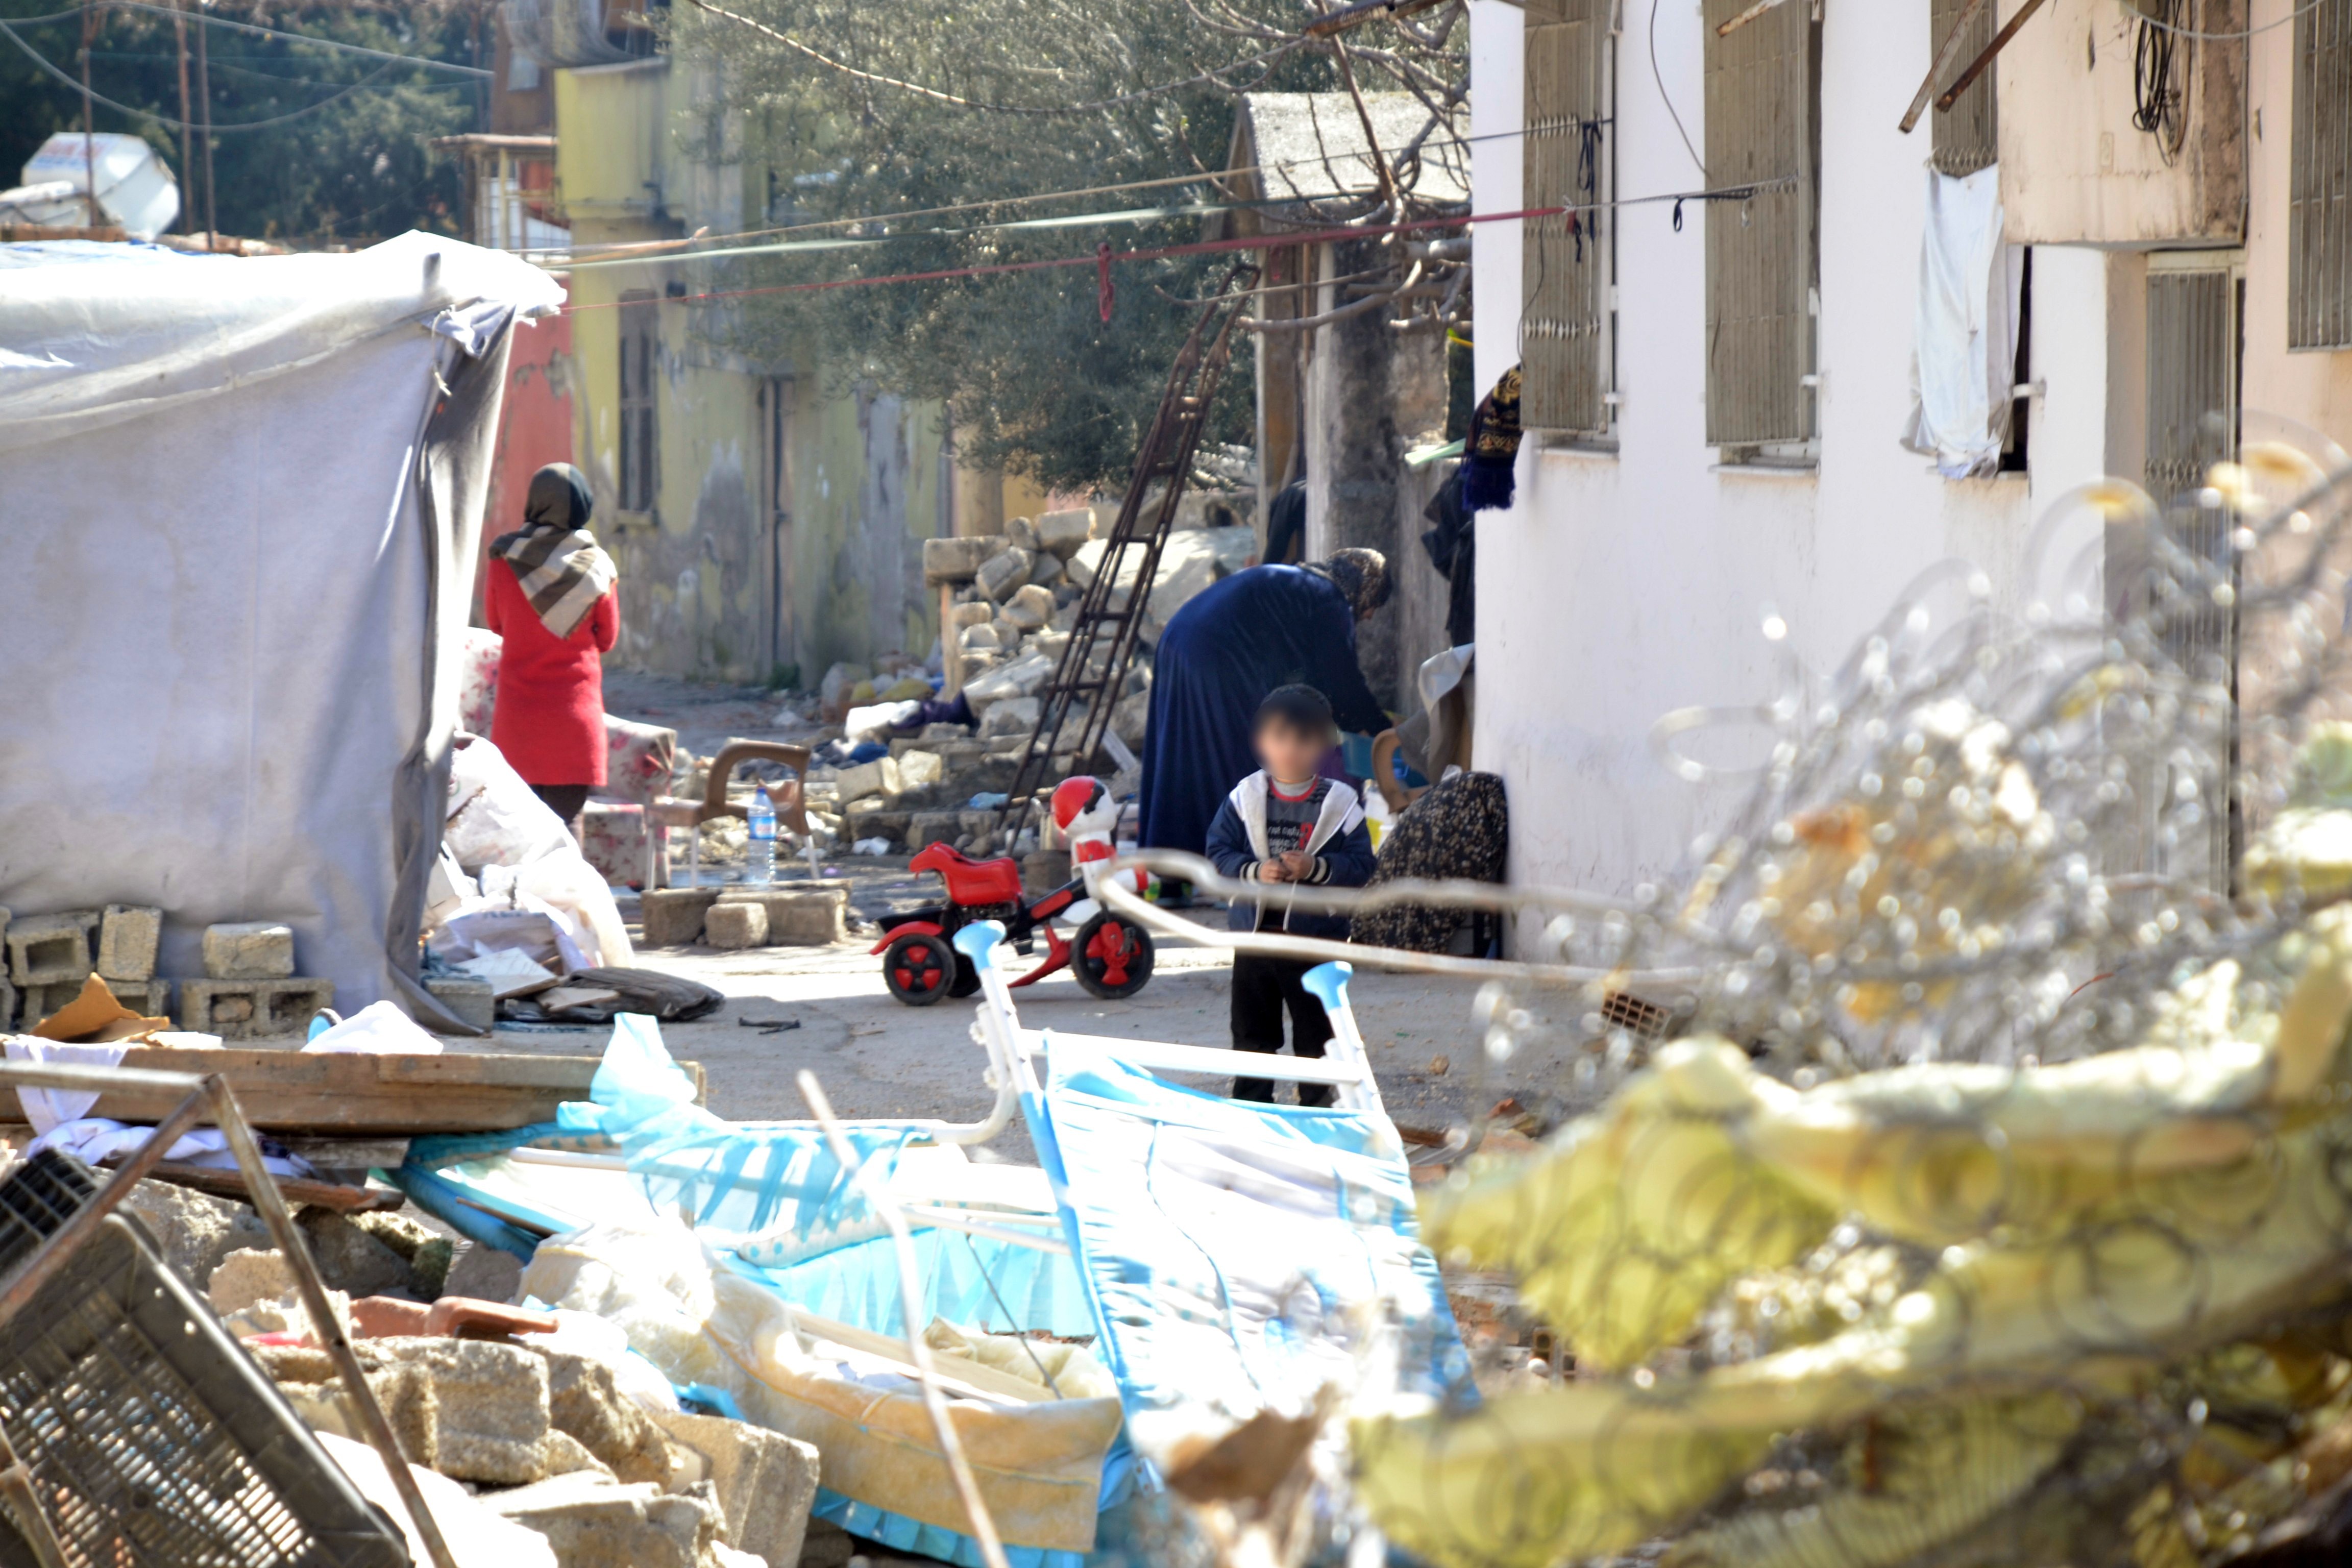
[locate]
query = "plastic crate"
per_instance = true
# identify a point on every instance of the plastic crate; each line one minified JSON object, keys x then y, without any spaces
{"x":39,"y":1196}
{"x":154,"y":1439}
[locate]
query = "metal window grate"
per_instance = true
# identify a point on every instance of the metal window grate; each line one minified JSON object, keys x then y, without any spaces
{"x":2319,"y":186}
{"x":1968,"y":136}
{"x":1762,"y":130}
{"x":640,"y":354}
{"x":1564,"y":325}
{"x":2192,"y":377}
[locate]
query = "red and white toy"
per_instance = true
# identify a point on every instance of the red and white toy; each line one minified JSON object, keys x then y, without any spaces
{"x":1084,"y":811}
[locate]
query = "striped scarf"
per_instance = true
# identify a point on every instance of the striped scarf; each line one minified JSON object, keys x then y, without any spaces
{"x":563,"y":569}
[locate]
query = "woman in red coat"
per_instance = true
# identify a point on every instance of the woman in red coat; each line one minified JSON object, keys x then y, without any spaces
{"x":550,"y":597}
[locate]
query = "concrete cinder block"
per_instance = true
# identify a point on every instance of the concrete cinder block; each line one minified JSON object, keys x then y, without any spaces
{"x":248,"y":950}
{"x":43,"y":998}
{"x":43,"y":949}
{"x":7,"y":1004}
{"x":126,"y":936}
{"x":733,"y":924}
{"x":672,"y":917}
{"x":248,"y":1009}
{"x":804,"y":915}
{"x":483,"y":1273}
{"x":958,"y":559}
{"x":492,"y":1403}
{"x":149,"y":998}
{"x":474,"y":1001}
{"x":765,"y":1480}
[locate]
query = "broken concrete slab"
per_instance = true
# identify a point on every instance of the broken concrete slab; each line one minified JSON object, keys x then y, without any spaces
{"x":596,"y":1523}
{"x":766,"y":1481}
{"x":673,"y":916}
{"x":247,"y":1276}
{"x":127,"y":938}
{"x":1003,"y":574}
{"x":194,"y":1230}
{"x":920,"y":770}
{"x":349,"y":1258}
{"x":929,"y":828}
{"x":734,"y":924}
{"x":1063,"y":532}
{"x":1021,"y":533}
{"x":1011,"y":716}
{"x":249,"y":950}
{"x":584,"y":1401}
{"x":958,"y":559}
{"x":51,"y":949}
{"x":484,"y":1273}
{"x":245,"y":1009}
{"x":1030,"y":607}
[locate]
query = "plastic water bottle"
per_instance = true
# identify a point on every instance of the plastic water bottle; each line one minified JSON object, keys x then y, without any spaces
{"x":760,"y":867}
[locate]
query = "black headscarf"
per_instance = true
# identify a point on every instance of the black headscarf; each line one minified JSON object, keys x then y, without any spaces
{"x":1360,"y":574}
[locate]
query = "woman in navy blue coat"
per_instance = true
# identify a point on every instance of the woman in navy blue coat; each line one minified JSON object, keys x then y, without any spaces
{"x":1222,"y":653}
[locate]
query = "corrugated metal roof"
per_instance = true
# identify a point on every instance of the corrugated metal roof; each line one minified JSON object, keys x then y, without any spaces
{"x":1309,"y":146}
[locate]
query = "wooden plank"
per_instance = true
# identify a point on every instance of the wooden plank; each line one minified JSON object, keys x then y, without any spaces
{"x":323,"y":1195}
{"x":356,"y":1095}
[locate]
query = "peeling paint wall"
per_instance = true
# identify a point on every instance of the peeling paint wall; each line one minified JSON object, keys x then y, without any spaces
{"x":846,"y":501}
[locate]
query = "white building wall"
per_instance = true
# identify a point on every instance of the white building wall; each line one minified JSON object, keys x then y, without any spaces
{"x":1620,"y":587}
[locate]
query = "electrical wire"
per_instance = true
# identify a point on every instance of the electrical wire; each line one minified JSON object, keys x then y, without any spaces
{"x":935,"y":94}
{"x":1199,"y":248}
{"x":1666,"y":97}
{"x":217,"y":128}
{"x":201,"y":17}
{"x":2179,"y":32}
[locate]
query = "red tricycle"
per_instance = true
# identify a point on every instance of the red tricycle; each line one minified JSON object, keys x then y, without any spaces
{"x":1110,"y":955}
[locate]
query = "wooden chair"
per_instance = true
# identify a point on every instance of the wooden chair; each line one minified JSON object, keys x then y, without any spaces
{"x":670,"y":811}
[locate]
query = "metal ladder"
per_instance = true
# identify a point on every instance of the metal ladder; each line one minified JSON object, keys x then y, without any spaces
{"x":1086,"y":682}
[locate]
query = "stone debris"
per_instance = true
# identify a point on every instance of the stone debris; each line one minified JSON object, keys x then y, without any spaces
{"x":594,"y":1522}
{"x":484,"y":1273}
{"x":196,"y":1231}
{"x":249,"y":950}
{"x":765,"y":1480}
{"x":247,"y":1276}
{"x":350,"y":1258}
{"x":587,"y":1404}
{"x":474,"y":1001}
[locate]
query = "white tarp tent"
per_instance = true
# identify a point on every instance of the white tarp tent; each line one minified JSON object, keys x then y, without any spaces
{"x":240,"y":502}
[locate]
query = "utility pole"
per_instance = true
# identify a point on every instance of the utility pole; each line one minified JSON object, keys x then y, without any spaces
{"x":89,"y":126}
{"x":187,"y":165}
{"x":204,"y":129}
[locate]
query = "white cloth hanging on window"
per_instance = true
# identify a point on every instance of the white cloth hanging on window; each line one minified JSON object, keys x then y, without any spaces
{"x":1964,"y":349}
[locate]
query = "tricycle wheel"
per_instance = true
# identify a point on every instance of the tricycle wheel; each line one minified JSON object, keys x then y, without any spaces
{"x":967,"y":978}
{"x":1112,"y":957}
{"x":920,"y":969}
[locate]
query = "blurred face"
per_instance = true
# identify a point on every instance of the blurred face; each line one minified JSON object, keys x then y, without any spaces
{"x":1289,"y":753}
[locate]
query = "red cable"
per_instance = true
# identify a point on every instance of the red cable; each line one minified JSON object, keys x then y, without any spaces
{"x":1102,"y":257}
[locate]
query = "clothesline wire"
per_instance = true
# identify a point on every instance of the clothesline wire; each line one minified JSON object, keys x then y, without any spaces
{"x":204,"y":19}
{"x":1203,"y":247}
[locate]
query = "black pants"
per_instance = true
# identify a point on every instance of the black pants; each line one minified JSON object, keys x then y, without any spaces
{"x":1262,"y":988}
{"x":567,"y":801}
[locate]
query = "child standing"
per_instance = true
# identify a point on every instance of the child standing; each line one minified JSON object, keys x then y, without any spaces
{"x":1286,"y":824}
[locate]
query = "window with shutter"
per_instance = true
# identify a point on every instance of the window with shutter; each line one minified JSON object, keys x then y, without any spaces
{"x":1968,"y":135}
{"x":2319,"y":188}
{"x":1763,"y":136}
{"x":1567,"y":346}
{"x":640,"y":356}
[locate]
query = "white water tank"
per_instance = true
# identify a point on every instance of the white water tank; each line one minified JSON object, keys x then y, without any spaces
{"x":136,"y":190}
